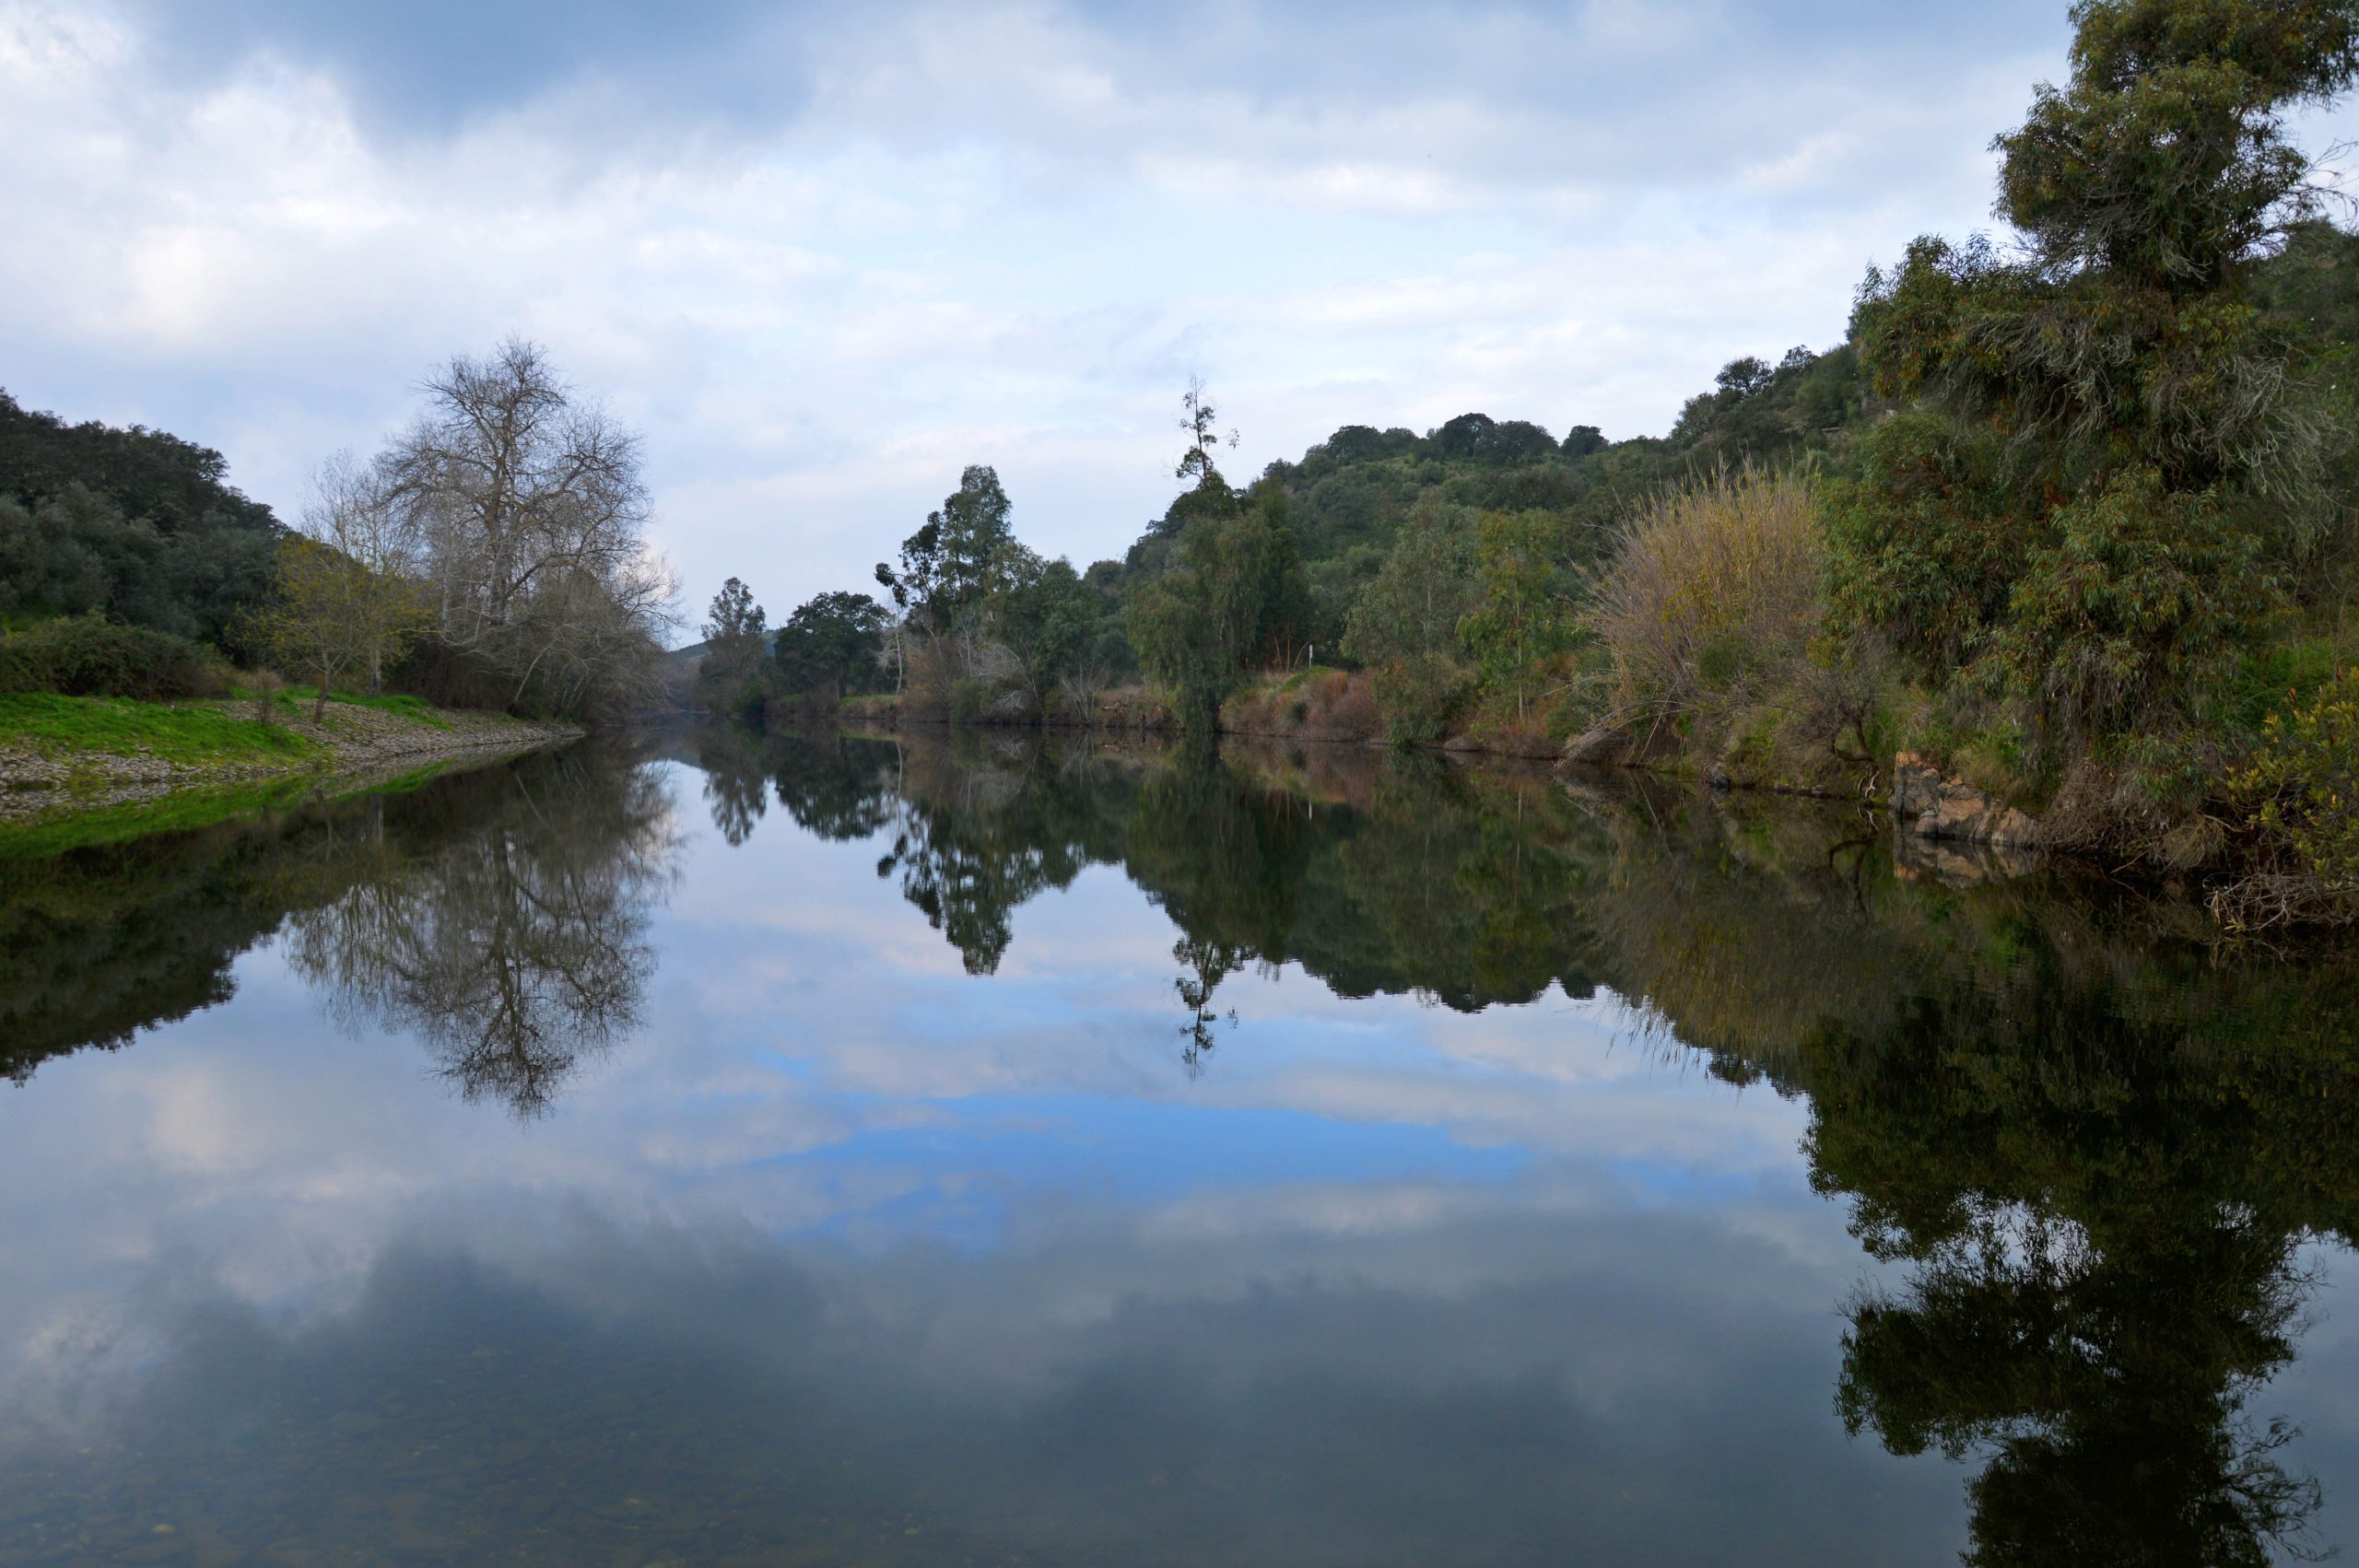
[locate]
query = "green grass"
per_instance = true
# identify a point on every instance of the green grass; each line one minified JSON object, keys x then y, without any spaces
{"x":194,"y":735}
{"x":402,"y":702}
{"x":179,"y":810}
{"x":2277,"y":677}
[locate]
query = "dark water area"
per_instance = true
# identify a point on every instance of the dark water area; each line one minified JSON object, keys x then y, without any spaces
{"x":750,"y":1149}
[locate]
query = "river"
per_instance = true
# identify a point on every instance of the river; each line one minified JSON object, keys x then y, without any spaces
{"x":715,"y":1148}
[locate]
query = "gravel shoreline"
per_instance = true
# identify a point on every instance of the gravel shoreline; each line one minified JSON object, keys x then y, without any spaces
{"x":359,"y":743}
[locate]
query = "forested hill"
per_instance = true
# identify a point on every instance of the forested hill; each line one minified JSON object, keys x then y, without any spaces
{"x":1347,"y":496}
{"x":134,"y":524}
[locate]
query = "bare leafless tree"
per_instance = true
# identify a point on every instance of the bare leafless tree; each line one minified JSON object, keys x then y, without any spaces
{"x":351,"y":513}
{"x":528,"y":513}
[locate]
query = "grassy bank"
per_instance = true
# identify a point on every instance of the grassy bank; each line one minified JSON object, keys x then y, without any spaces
{"x":77,"y":770}
{"x":191,"y":734}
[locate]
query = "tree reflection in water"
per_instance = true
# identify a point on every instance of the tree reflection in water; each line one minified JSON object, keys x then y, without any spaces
{"x":514,"y":949}
{"x":1207,"y":964}
{"x":2101,"y":1147}
{"x":730,"y":760}
{"x":2101,"y":1151}
{"x":2098,"y":1146}
{"x":2108,"y":1389}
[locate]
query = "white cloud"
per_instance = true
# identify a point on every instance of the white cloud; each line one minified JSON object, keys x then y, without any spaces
{"x":824,"y":261}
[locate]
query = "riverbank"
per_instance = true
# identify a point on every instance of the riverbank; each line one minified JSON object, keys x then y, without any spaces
{"x":1946,"y":824}
{"x":1318,"y":704}
{"x":66,"y":756}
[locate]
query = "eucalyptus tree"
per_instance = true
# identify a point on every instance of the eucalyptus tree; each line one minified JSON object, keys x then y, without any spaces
{"x":951,"y":565}
{"x":2107,"y":469}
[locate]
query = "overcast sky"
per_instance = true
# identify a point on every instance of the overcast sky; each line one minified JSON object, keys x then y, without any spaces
{"x":825,"y":254}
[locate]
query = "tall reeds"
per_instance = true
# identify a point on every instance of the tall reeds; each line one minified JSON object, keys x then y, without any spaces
{"x":1710,"y":596}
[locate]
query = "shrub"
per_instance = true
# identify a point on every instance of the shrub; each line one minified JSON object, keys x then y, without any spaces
{"x":1419,"y":697}
{"x":969,"y":699}
{"x":2139,"y":592}
{"x":91,"y":656}
{"x":1923,"y":548}
{"x":263,"y":688}
{"x":1710,"y":596}
{"x":2302,"y":785}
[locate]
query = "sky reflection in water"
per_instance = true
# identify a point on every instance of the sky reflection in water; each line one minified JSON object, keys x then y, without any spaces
{"x":843,"y":1252}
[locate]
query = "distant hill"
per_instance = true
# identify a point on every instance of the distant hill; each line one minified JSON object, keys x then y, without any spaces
{"x":140,"y":525}
{"x":1346,"y":497}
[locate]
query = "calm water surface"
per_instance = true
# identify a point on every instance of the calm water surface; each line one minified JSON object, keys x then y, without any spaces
{"x":745,"y":1150}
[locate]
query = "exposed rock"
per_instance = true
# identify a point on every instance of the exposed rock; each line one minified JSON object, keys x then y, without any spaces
{"x":1929,"y":804}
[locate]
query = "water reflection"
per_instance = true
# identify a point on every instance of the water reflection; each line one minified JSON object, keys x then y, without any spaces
{"x":2099,"y":1146}
{"x":512,"y":946}
{"x":2090,"y":1166}
{"x":498,"y":917}
{"x":2098,"y":1150}
{"x":1381,"y":875}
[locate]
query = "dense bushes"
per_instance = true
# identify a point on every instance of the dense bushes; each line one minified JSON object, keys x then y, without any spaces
{"x":1711,"y":597}
{"x":136,"y":523}
{"x":89,"y":656}
{"x":507,"y":523}
{"x":2302,"y":785}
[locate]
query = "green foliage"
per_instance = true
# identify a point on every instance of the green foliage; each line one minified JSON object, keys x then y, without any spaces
{"x":1049,"y":619}
{"x":1762,"y":413}
{"x":970,"y":699}
{"x":2119,"y":451}
{"x":1525,"y":615}
{"x":1200,"y":423}
{"x":330,"y":613}
{"x":735,"y":636}
{"x":1412,"y":608}
{"x":1923,"y":547}
{"x":62,"y":726}
{"x":1349,"y":496}
{"x":1234,"y":600}
{"x":134,"y":522}
{"x":829,"y":646}
{"x":1419,"y":694}
{"x":89,"y":656}
{"x":414,"y":708}
{"x":2302,"y":785}
{"x":950,"y":565}
{"x":2166,"y":158}
{"x":2137,"y":589}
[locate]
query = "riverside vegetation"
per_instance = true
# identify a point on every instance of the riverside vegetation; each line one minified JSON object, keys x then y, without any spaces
{"x":2068,"y":516}
{"x":482,"y":581}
